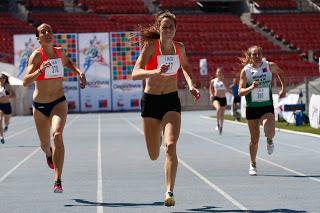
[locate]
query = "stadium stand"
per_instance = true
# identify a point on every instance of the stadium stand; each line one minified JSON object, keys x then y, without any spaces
{"x":114,"y":6}
{"x":299,"y":30}
{"x":220,"y":38}
{"x":178,"y":4}
{"x":9,"y":26}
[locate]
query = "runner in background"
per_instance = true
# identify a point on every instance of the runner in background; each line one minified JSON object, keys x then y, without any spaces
{"x":256,"y":85}
{"x":6,"y":93}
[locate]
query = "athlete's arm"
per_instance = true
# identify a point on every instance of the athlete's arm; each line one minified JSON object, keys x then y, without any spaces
{"x":242,"y":84}
{"x":12,"y":93}
{"x":275,"y":69}
{"x":187,"y":70}
{"x":31,"y":72}
{"x":139,"y":72}
{"x":211,"y":89}
{"x":66,"y":61}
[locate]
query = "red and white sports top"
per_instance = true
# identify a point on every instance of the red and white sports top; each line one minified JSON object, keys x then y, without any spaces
{"x":158,"y":59}
{"x":55,"y":71}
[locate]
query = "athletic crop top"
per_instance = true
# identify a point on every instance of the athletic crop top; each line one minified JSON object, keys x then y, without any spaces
{"x":55,"y":71}
{"x":2,"y":92}
{"x":158,"y":59}
{"x":218,"y":85}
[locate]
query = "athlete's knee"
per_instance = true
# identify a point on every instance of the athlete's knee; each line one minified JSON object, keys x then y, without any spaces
{"x":254,"y":140}
{"x":171,"y":149}
{"x":57,"y":136}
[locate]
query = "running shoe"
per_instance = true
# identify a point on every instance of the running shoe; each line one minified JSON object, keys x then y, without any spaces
{"x":217,"y":128}
{"x":5,"y":128}
{"x":2,"y":140}
{"x":270,"y":146}
{"x":169,"y":199}
{"x":57,"y":187}
{"x":50,"y":161}
{"x":253,"y":169}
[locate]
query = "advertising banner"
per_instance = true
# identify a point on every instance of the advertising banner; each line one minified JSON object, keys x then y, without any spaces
{"x":203,"y":63}
{"x":24,"y":45}
{"x":314,"y":111}
{"x":68,"y":42}
{"x":125,"y":50}
{"x":126,"y":95}
{"x":94,"y":61}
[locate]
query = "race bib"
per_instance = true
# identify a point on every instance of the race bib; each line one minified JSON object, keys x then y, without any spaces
{"x":55,"y":70}
{"x":260,"y":94}
{"x":172,"y":61}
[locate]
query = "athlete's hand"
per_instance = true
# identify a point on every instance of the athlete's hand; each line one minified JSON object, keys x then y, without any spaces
{"x":82,"y":80}
{"x":162,"y":69}
{"x":45,"y":65}
{"x":195,"y":92}
{"x":255,"y":84}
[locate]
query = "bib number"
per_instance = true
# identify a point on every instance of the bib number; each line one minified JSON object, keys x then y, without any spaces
{"x":55,"y":70}
{"x":260,"y":94}
{"x":172,"y":61}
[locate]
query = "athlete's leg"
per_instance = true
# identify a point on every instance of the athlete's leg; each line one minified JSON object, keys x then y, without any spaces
{"x":216,"y":105}
{"x":222,"y":110}
{"x":171,"y":123}
{"x":152,"y":132}
{"x":43,"y":128}
{"x":1,"y":127}
{"x":59,"y":117}
{"x":254,"y":126}
{"x":6,"y":121}
{"x":269,"y":124}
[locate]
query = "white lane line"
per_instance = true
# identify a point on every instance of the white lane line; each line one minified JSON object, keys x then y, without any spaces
{"x":245,"y":153}
{"x":282,"y":143}
{"x":19,"y":164}
{"x":278,"y":129}
{"x":212,"y":185}
{"x":99,"y":170}
{"x":30,"y":155}
{"x":20,"y":132}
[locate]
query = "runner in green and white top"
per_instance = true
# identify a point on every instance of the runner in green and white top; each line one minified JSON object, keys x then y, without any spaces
{"x":262,"y":95}
{"x":255,"y":83}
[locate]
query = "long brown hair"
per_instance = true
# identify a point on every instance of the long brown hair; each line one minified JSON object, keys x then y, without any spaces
{"x":2,"y":75}
{"x":247,"y":55}
{"x":152,"y":32}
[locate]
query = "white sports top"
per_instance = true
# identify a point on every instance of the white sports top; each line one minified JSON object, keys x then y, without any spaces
{"x":218,"y":85}
{"x":2,"y":92}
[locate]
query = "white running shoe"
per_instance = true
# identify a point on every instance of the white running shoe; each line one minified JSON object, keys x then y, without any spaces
{"x":217,"y":128}
{"x":169,"y":199}
{"x":270,"y":146}
{"x":253,"y":169}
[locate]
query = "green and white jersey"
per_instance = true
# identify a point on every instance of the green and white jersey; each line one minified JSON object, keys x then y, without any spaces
{"x":262,"y":95}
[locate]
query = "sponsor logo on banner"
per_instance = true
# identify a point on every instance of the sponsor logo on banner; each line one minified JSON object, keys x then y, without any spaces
{"x":103,"y":103}
{"x":134,"y":103}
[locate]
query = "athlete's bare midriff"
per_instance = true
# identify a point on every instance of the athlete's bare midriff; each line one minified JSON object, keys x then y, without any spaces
{"x":48,"y":90}
{"x":158,"y":85}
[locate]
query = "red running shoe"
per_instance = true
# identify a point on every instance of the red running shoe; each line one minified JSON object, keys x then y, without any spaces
{"x":49,"y":161}
{"x":57,"y":187}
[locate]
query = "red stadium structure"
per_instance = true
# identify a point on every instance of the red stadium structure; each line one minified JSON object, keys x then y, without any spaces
{"x":219,"y":30}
